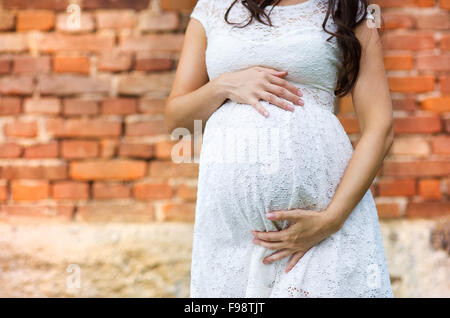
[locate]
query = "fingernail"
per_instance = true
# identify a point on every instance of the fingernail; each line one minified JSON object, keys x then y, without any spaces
{"x":300,"y":93}
{"x":290,"y":108}
{"x":301,"y":102}
{"x":266,"y":114}
{"x":265,"y":261}
{"x":270,"y":215}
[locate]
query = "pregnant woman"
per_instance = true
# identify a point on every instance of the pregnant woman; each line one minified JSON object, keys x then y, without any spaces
{"x":284,"y":207}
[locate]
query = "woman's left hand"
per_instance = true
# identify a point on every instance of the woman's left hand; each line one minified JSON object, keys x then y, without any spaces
{"x":306,"y":229}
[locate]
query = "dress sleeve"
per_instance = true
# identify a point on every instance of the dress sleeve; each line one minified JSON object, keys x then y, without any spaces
{"x":201,"y":13}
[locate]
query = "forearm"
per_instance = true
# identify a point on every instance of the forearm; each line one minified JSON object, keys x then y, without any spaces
{"x":361,"y":170}
{"x":181,"y":111}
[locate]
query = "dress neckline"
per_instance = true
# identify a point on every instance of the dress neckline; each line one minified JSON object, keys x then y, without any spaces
{"x":291,"y":6}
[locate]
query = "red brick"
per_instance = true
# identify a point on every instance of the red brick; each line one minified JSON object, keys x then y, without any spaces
{"x":55,"y":212}
{"x":430,"y":189}
{"x":42,"y":4}
{"x":151,"y":42}
{"x":29,"y":190}
{"x":166,"y":21}
{"x":23,"y":129}
{"x":87,"y":128}
{"x":398,"y":21}
{"x":108,"y":148}
{"x":409,"y":41}
{"x":389,"y":210}
{"x":173,"y":212}
{"x":16,"y":85}
{"x":399,"y":62}
{"x":5,"y":63}
{"x":119,"y":106}
{"x":433,"y":20}
{"x":153,"y":64}
{"x":35,"y":20}
{"x":431,"y":168}
{"x":112,"y":212}
{"x":187,"y":193}
{"x":69,"y":190}
{"x":144,"y":151}
{"x":110,"y":190}
{"x":163,"y":149}
{"x":437,"y":104}
{"x":404,"y":3}
{"x":445,"y":4}
{"x":31,"y":65}
{"x":108,"y":170}
{"x":444,"y":83}
{"x":410,"y":146}
{"x":49,"y":150}
{"x":146,"y":128}
{"x":152,"y":106}
{"x":176,"y":5}
{"x":3,"y":193}
{"x":139,"y":84}
{"x":114,"y":61}
{"x":54,"y":42}
{"x":389,"y":188}
{"x":116,"y":19}
{"x":10,"y":150}
{"x":71,"y":64}
{"x":115,"y":4}
{"x":79,"y":149}
{"x":427,"y":209}
{"x":76,"y":107}
{"x":412,"y":84}
{"x":21,"y":171}
{"x":49,"y":106}
{"x":445,"y":42}
{"x":13,"y":42}
{"x":72,"y":84}
{"x":433,"y":62}
{"x":418,"y":124}
{"x":441,"y":145}
{"x":86,"y":23}
{"x":7,"y":20}
{"x":168,"y":169}
{"x":10,"y":105}
{"x":407,"y":103}
{"x":350,"y":123}
{"x":152,"y":191}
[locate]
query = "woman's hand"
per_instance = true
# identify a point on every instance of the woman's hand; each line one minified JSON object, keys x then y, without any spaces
{"x":306,"y":229}
{"x":259,"y":83}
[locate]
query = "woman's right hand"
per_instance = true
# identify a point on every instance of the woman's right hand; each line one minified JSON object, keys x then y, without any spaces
{"x":260,"y":83}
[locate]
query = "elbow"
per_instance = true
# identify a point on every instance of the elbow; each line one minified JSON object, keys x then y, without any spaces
{"x":388,"y":133}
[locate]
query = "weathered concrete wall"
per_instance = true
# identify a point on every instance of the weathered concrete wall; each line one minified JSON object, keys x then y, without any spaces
{"x":127,"y":260}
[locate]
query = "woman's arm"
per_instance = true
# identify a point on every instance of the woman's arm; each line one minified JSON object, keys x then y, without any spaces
{"x":373,"y":107}
{"x":194,"y":97}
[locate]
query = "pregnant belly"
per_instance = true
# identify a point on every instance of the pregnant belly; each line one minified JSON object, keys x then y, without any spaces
{"x":250,"y":165}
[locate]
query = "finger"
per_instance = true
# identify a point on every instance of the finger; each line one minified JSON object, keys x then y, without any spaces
{"x":272,"y":71}
{"x":284,"y":93}
{"x":257,"y":105}
{"x":294,"y":260}
{"x":286,"y":84}
{"x":282,"y":215}
{"x":277,"y":256}
{"x":272,"y":236}
{"x":270,"y":245}
{"x":274,"y":100}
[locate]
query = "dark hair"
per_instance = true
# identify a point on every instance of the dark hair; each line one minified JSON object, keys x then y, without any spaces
{"x":344,"y":14}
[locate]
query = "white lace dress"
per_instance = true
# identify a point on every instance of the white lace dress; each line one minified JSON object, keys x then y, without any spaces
{"x":250,"y":165}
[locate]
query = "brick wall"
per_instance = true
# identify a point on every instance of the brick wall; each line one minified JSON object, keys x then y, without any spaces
{"x":82,"y":134}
